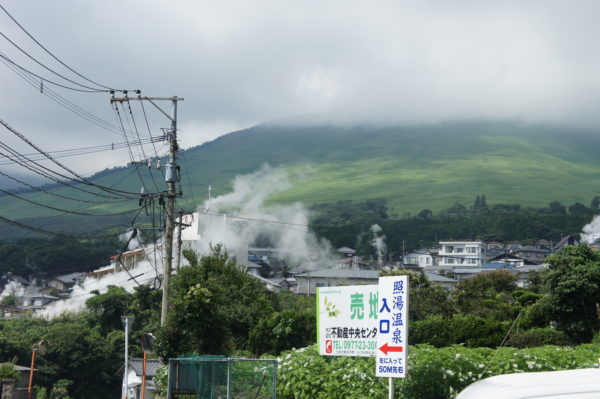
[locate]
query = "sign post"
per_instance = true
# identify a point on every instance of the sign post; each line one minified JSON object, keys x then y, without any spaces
{"x":347,"y":320}
{"x":392,"y":337}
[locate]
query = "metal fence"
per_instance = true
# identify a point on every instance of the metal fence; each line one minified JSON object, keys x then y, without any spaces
{"x":216,"y":377}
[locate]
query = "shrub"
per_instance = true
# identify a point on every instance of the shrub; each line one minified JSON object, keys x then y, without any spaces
{"x":537,"y":337}
{"x":472,"y":331}
{"x":434,"y":373}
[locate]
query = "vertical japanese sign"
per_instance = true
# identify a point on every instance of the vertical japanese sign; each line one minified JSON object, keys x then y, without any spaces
{"x":392,"y":340}
{"x":347,"y":320}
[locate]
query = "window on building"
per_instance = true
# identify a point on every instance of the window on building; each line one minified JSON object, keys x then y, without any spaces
{"x":459,"y":250}
{"x":471,"y":250}
{"x":449,"y":248}
{"x":449,"y":260}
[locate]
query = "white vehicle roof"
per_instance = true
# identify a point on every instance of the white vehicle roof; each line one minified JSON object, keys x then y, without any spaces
{"x":567,"y":384}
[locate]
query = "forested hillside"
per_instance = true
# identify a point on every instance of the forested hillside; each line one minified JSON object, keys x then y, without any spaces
{"x":411,"y":167}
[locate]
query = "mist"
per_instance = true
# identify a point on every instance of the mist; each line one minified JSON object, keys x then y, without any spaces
{"x":339,"y":61}
{"x":243,"y":218}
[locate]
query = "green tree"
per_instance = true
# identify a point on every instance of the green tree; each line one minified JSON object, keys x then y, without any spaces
{"x":283,"y":331}
{"x":109,"y":307}
{"x":573,"y":281}
{"x":488,"y":295}
{"x":215,"y":304}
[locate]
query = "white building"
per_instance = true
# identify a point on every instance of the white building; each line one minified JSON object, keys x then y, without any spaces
{"x":462,"y":254}
{"x":420,"y":259}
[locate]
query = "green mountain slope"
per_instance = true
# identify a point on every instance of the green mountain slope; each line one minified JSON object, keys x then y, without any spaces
{"x":413,"y":167}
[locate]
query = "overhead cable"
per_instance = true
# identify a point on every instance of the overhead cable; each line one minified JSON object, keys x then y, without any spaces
{"x":50,"y":53}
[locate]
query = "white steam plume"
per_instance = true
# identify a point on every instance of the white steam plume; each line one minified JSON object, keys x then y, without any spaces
{"x":591,"y":231}
{"x":378,"y":242}
{"x":284,"y":227}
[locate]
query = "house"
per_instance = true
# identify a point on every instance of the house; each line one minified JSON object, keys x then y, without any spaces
{"x":11,"y":312}
{"x":462,"y":254}
{"x":346,"y":252}
{"x":543,"y":244}
{"x":36,"y":300}
{"x":65,"y":282}
{"x":508,"y":259}
{"x":571,"y":239}
{"x":420,"y":258}
{"x":495,"y":244}
{"x":308,"y":282}
{"x":445,"y":282}
{"x":514,"y":246}
{"x":525,"y":271}
{"x":531,"y":254}
{"x":134,"y":378}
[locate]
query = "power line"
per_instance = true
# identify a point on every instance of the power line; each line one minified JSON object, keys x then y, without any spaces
{"x":58,"y":234}
{"x":63,"y":102}
{"x":46,"y":172}
{"x":81,"y":178}
{"x":84,"y":150}
{"x":54,"y":194}
{"x":48,"y":51}
{"x":255,"y":219}
{"x":89,"y":89}
{"x":63,"y":210}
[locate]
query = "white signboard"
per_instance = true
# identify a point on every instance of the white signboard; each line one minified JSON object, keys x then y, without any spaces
{"x":347,"y":320}
{"x":392,"y":338}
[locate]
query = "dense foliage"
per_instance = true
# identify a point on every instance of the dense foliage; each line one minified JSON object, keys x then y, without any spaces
{"x":217,"y":308}
{"x":435,"y":373}
{"x":347,"y":223}
{"x":44,"y":258}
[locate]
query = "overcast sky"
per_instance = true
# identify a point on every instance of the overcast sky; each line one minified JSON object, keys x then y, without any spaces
{"x":238,"y":63}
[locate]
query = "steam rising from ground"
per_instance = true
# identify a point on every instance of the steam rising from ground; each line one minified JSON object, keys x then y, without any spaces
{"x":144,"y":273}
{"x":378,"y":242}
{"x":250,"y":222}
{"x":591,"y":231}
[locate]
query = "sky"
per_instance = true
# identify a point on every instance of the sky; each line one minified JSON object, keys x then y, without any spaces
{"x":239,"y":63}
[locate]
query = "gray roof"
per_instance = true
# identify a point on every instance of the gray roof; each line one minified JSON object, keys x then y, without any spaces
{"x":346,"y":250}
{"x":531,"y":268}
{"x":137,"y":365}
{"x":531,"y":249}
{"x":438,"y":278}
{"x":342,"y":273}
{"x":68,"y":278}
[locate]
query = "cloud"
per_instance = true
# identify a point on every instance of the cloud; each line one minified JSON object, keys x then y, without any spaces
{"x":238,"y":63}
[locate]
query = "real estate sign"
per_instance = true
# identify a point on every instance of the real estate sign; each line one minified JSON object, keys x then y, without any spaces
{"x":392,"y":339}
{"x":347,"y":320}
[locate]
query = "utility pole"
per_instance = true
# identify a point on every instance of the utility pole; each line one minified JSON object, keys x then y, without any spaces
{"x":171,"y":177}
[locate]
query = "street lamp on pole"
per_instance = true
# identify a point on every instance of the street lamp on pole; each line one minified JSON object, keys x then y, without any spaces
{"x":42,"y":348}
{"x":127,"y":323}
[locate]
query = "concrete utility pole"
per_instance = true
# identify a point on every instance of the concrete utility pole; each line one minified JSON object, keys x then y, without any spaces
{"x":171,"y":177}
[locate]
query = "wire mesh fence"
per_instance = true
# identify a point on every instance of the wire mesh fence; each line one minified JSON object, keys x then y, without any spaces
{"x":216,"y":377}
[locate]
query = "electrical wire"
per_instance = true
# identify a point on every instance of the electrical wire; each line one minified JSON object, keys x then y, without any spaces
{"x":187,"y":170}
{"x":58,"y":234}
{"x":46,"y":172}
{"x":53,"y":193}
{"x":63,"y":210}
{"x":87,"y":89}
{"x":63,"y":102}
{"x":82,"y":179}
{"x":254,"y":219}
{"x":50,"y":53}
{"x":82,"y":150}
{"x":140,"y":140}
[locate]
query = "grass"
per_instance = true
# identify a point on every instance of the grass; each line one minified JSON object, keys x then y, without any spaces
{"x":414,"y":167}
